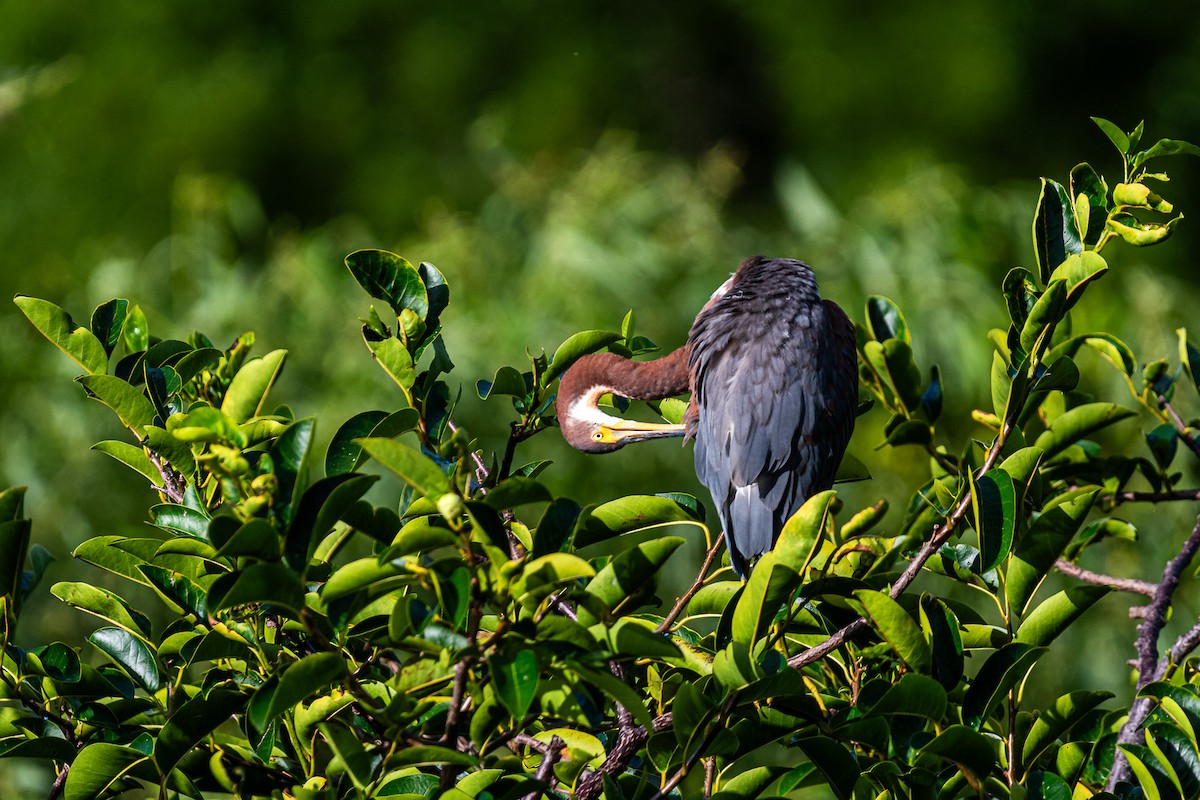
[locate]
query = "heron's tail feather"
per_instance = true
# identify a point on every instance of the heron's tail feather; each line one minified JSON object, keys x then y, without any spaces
{"x":749,"y":528}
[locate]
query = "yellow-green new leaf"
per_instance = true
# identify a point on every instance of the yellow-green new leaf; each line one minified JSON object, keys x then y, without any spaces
{"x":56,"y":325}
{"x":247,"y":393}
{"x":414,"y":468}
{"x":896,"y":626}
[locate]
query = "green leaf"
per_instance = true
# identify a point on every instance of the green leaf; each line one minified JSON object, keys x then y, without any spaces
{"x":1055,"y":234}
{"x":130,"y":652}
{"x":507,"y":381}
{"x":97,"y":767}
{"x":103,"y":603}
{"x":886,"y":321}
{"x":912,"y":695}
{"x":516,"y":681}
{"x":107,"y":321}
{"x":1165,"y":147}
{"x":357,"y":574}
{"x":349,"y":750}
{"x":271,"y":583}
{"x":1114,"y":134}
{"x":321,"y":506}
{"x":1003,"y":669}
{"x":298,"y":682}
{"x":414,"y":468}
{"x":800,"y":539}
{"x":247,"y":392}
{"x":994,"y":513}
{"x":839,"y":766}
{"x":1055,"y":720}
{"x":344,"y":454}
{"x":391,"y":278}
{"x":1045,"y":314}
{"x":1091,"y":202}
{"x":574,"y":348}
{"x":1077,"y":271}
{"x":941,"y":629}
{"x":75,"y":340}
{"x":971,"y":751}
{"x":397,"y":362}
{"x":628,"y":576}
{"x":131,"y":405}
{"x":431,"y":756}
{"x":542,"y":576}
{"x":191,"y":722}
{"x":1189,"y":357}
{"x":896,"y":626}
{"x":1078,"y":423}
{"x":289,"y":454}
{"x":516,"y":491}
{"x":627,"y":515}
{"x":1177,"y":756}
{"x":1041,"y":546}
{"x":176,"y":519}
{"x":1056,"y":613}
{"x":256,"y":539}
{"x":131,"y":456}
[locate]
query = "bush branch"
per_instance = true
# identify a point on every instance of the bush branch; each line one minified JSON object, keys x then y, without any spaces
{"x":682,"y":602}
{"x":1149,"y":666}
{"x":1130,"y":585}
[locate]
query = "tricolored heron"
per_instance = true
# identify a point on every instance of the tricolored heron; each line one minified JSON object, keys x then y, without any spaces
{"x":774,"y":380}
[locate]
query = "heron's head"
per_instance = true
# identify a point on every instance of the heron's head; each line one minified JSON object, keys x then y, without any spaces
{"x":584,"y":425}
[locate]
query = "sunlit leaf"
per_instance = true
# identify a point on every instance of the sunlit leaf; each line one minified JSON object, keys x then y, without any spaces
{"x":75,"y":340}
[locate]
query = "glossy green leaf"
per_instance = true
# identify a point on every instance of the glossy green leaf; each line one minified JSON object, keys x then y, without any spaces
{"x":970,"y":750}
{"x":357,"y":574}
{"x":1114,"y":134}
{"x":271,"y":583}
{"x":128,"y":401}
{"x":629,"y":575}
{"x":180,"y":590}
{"x":75,"y":340}
{"x":994,"y":514}
{"x":256,"y":539}
{"x":391,"y":278}
{"x":1055,"y":720}
{"x":507,"y":381}
{"x":516,"y":491}
{"x":1041,"y":546}
{"x":320,"y":507}
{"x":97,"y":767}
{"x":802,"y":534}
{"x":299,"y":681}
{"x":839,"y":765}
{"x":541,"y":577}
{"x":627,"y":515}
{"x":130,"y":652}
{"x":107,"y":321}
{"x":896,"y":626}
{"x":1055,"y":234}
{"x":177,"y":519}
{"x":431,"y":756}
{"x":131,"y":456}
{"x":1077,"y":271}
{"x":191,"y":722}
{"x":247,"y":392}
{"x":1165,"y":147}
{"x":396,"y":361}
{"x":346,"y":746}
{"x":103,"y":603}
{"x":414,"y":468}
{"x":1003,"y":669}
{"x":912,"y":695}
{"x":516,"y":681}
{"x":56,"y":661}
{"x":941,"y":629}
{"x":1044,"y":315}
{"x":1091,"y":202}
{"x":1078,"y":423}
{"x":886,"y":321}
{"x":1177,"y":757}
{"x":1056,"y":613}
{"x":574,"y":348}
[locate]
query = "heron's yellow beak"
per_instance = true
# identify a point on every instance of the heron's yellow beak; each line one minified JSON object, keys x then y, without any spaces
{"x":623,"y":431}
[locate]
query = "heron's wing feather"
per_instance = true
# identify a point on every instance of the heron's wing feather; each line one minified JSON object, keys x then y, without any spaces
{"x":775,"y":386}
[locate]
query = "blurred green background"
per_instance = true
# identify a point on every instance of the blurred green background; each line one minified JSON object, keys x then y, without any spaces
{"x":561,"y":163}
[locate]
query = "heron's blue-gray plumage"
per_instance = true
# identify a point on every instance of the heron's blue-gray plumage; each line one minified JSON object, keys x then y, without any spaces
{"x":773,"y":372}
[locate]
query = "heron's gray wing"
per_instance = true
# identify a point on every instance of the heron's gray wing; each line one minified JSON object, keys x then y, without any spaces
{"x":769,"y":385}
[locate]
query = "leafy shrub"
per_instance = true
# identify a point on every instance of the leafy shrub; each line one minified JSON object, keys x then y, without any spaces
{"x":473,"y":635}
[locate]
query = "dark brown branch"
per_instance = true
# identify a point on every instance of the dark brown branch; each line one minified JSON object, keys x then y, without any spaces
{"x":1130,"y":585}
{"x":545,"y":770}
{"x":626,"y":747}
{"x":1149,"y":666}
{"x":714,"y":728}
{"x":1185,"y":644}
{"x":174,"y":484}
{"x":1154,"y":497}
{"x":60,"y":781}
{"x":682,"y":602}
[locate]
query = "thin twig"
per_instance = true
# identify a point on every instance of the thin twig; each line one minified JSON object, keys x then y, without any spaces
{"x":1149,"y":666}
{"x":1154,"y":497}
{"x":1180,"y":425}
{"x":619,"y":757}
{"x":1130,"y":585}
{"x":545,"y":770}
{"x":939,"y":537}
{"x":682,"y":602}
{"x":481,"y":470}
{"x":715,"y":727}
{"x":174,"y":484}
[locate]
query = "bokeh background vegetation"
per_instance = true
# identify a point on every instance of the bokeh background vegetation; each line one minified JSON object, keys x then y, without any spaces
{"x":561,"y":163}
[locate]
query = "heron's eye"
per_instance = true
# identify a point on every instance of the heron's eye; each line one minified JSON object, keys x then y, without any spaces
{"x":597,"y":437}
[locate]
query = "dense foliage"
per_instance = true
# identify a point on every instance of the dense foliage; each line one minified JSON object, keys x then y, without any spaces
{"x":413,"y":613}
